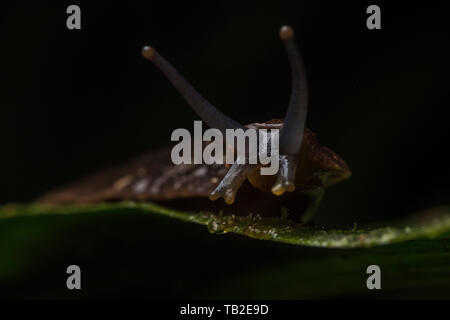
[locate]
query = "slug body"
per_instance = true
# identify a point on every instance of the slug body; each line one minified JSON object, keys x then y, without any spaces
{"x":306,"y":167}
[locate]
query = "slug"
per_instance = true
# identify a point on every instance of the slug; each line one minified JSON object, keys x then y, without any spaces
{"x":306,"y":167}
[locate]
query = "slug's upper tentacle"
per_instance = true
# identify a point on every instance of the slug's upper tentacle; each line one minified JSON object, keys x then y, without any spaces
{"x":291,"y":134}
{"x":213,"y":117}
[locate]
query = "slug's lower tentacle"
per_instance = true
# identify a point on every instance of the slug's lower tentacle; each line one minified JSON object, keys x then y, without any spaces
{"x":232,"y":181}
{"x":286,"y":175}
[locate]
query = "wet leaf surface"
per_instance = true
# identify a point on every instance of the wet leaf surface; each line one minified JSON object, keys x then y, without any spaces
{"x":433,"y":223}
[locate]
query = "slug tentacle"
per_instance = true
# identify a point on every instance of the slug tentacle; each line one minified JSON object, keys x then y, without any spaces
{"x":232,"y":181}
{"x":292,"y":131}
{"x":213,"y":117}
{"x":286,"y":175}
{"x":291,"y":134}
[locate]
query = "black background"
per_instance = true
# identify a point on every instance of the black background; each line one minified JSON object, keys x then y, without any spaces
{"x":75,"y":101}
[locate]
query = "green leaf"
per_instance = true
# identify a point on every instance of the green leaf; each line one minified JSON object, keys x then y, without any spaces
{"x":433,"y":223}
{"x":145,"y":250}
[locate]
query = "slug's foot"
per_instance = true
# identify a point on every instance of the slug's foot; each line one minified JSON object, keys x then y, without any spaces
{"x":232,"y":181}
{"x":286,"y":175}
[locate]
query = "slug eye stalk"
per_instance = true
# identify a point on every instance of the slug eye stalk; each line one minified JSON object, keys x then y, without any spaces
{"x":291,"y":134}
{"x":213,"y":117}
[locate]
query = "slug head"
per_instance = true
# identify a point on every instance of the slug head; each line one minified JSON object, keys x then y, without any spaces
{"x":315,"y":165}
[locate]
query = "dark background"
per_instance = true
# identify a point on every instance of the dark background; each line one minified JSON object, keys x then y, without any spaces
{"x":73,"y":101}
